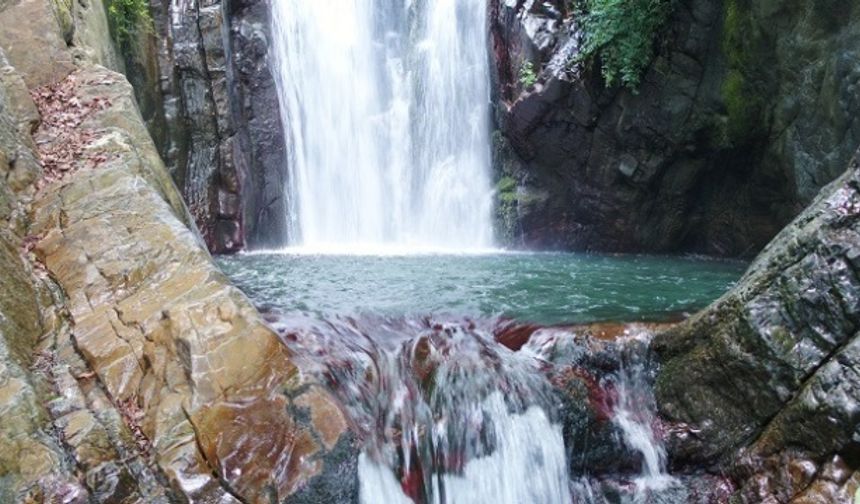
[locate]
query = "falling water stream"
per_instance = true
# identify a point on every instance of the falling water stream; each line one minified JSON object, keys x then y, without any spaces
{"x":385,"y":106}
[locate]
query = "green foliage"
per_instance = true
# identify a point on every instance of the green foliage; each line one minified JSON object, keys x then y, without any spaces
{"x":528,"y":76}
{"x":622,"y":33}
{"x":128,"y":17}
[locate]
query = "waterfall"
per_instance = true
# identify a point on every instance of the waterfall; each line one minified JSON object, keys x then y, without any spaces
{"x":635,"y":420}
{"x":385,"y":109}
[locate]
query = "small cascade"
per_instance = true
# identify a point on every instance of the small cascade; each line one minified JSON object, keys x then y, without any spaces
{"x":619,"y":374}
{"x":635,"y":417}
{"x":446,"y":413}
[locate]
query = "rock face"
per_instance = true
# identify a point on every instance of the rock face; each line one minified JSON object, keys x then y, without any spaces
{"x":209,"y":99}
{"x":767,"y":377}
{"x":130,"y":369}
{"x":749,"y":108}
{"x":32,"y":460}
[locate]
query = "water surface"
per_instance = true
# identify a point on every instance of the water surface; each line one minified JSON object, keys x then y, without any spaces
{"x":546,"y":288}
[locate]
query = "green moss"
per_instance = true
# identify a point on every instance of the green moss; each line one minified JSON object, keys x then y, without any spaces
{"x":63,"y":12}
{"x":506,"y":209}
{"x":744,"y":98}
{"x":506,"y":184}
{"x":128,"y":18}
{"x":742,"y":109}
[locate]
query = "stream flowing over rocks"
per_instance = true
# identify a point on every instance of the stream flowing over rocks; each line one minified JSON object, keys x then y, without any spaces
{"x":132,"y":370}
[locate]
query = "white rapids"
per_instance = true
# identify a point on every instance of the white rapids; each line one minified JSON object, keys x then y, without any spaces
{"x":448,"y":415}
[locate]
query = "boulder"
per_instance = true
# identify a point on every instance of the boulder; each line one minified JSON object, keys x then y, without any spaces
{"x":767,"y":376}
{"x":161,"y":329}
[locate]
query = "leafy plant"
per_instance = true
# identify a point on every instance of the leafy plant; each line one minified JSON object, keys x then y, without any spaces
{"x":528,"y":76}
{"x":127,"y":17}
{"x":622,"y":34}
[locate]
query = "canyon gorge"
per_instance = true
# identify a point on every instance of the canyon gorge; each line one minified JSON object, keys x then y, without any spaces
{"x":429,"y":251}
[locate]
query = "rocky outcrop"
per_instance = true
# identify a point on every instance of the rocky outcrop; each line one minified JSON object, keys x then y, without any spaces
{"x":208,"y":96}
{"x":766,"y":379}
{"x":163,"y":331}
{"x":32,"y":460}
{"x":749,"y":108}
{"x":130,"y":369}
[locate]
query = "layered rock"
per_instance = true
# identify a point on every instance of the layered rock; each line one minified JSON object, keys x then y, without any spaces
{"x":209,"y":98}
{"x":130,"y":369}
{"x":32,"y":461}
{"x":766,"y":379}
{"x":749,"y":108}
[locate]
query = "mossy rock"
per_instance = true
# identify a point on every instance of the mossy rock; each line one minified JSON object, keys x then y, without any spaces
{"x":63,"y":13}
{"x":743,"y":90}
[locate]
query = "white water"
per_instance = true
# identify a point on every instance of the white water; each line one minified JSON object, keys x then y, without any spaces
{"x":385,"y":107}
{"x":447,"y":414}
{"x":634,"y":416}
{"x":528,"y":465}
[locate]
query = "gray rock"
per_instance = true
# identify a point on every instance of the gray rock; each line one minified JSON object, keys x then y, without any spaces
{"x":737,"y":124}
{"x":209,"y":99}
{"x":767,"y":376}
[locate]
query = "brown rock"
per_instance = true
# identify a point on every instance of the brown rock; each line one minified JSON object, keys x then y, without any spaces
{"x":326,"y":417}
{"x":34,"y":43}
{"x":162,"y":328}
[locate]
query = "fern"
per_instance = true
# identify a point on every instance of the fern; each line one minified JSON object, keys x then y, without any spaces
{"x":622,"y":34}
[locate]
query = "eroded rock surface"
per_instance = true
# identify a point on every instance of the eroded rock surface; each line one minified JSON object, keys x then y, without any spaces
{"x":131,"y":370}
{"x":162,"y":329}
{"x":767,"y":377}
{"x":32,"y":460}
{"x":207,"y":93}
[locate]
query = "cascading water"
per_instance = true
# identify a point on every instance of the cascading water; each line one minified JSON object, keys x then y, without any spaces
{"x":385,"y":105}
{"x":634,"y":416}
{"x":447,"y":414}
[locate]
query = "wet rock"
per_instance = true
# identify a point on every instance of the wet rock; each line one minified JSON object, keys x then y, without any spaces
{"x":767,"y":374}
{"x":209,"y":99}
{"x":187,"y":363}
{"x":130,"y":369}
{"x":29,"y":453}
{"x":587,"y":374}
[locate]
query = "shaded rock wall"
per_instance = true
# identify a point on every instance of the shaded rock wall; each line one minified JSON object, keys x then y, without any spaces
{"x":766,"y":379}
{"x":749,"y":108}
{"x":208,"y":96}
